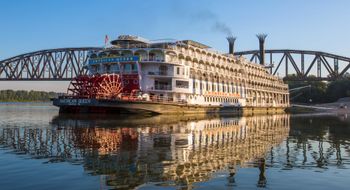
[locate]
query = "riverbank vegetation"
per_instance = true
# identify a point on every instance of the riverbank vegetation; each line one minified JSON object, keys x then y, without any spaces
{"x":25,"y":96}
{"x":320,"y":91}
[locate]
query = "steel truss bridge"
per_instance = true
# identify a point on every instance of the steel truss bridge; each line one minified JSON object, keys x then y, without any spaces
{"x":301,"y":64}
{"x":66,"y":63}
{"x":52,"y":64}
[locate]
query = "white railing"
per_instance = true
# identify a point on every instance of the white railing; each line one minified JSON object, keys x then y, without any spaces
{"x":139,"y":98}
{"x":162,"y":87}
{"x":160,"y":73}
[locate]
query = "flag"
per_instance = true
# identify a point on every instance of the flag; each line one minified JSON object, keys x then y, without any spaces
{"x":106,"y":40}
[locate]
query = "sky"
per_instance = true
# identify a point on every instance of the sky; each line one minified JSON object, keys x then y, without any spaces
{"x":30,"y":25}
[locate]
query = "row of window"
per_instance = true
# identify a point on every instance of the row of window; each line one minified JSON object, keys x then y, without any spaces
{"x":217,"y":88}
{"x":114,"y":68}
{"x":221,"y":99}
{"x":182,"y":71}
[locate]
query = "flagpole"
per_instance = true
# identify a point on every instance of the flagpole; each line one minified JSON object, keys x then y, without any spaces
{"x":106,"y":41}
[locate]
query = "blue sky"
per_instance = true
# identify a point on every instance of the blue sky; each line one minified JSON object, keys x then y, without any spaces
{"x":29,"y":25}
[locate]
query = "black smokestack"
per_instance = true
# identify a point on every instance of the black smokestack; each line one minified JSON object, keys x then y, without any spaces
{"x":262,"y":38}
{"x":231,"y":44}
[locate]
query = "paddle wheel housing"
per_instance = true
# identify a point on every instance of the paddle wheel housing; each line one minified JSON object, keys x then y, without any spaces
{"x":81,"y":87}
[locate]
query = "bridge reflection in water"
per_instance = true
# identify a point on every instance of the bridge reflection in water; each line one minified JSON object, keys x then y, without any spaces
{"x":171,"y":151}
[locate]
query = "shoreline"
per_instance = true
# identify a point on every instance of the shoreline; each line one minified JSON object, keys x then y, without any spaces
{"x":339,"y":107}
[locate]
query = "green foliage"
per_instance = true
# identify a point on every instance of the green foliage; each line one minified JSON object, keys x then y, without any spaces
{"x":25,"y":96}
{"x":320,"y":92}
{"x":338,"y":89}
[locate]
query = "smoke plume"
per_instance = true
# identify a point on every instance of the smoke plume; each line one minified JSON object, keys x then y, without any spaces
{"x":217,"y":24}
{"x":222,"y":27}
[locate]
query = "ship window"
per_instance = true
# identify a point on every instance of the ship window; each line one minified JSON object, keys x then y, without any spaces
{"x":162,"y":85}
{"x":163,"y":70}
{"x":182,"y":84}
{"x":93,"y":56}
{"x":127,"y":68}
{"x":94,"y":69}
{"x":115,"y":68}
{"x":102,"y":54}
{"x":134,"y":67}
{"x":107,"y":68}
{"x":151,"y":57}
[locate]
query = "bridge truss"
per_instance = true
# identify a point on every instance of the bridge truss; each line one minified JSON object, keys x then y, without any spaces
{"x":53,"y":64}
{"x":302,"y":64}
{"x":66,"y":63}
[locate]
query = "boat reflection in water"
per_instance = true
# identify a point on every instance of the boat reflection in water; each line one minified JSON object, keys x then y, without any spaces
{"x":161,"y":150}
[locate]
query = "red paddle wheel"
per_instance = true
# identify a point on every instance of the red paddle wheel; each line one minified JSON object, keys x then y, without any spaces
{"x":108,"y":86}
{"x":81,"y":87}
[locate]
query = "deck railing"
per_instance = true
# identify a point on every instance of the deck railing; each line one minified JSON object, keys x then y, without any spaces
{"x":161,"y":73}
{"x":130,"y":97}
{"x":162,"y":87}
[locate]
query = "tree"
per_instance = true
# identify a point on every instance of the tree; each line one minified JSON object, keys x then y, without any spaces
{"x":25,"y":96}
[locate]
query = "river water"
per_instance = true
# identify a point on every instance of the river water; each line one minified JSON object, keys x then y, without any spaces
{"x":40,"y":149}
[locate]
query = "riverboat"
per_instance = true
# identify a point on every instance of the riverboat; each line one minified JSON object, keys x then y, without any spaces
{"x":136,"y":75}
